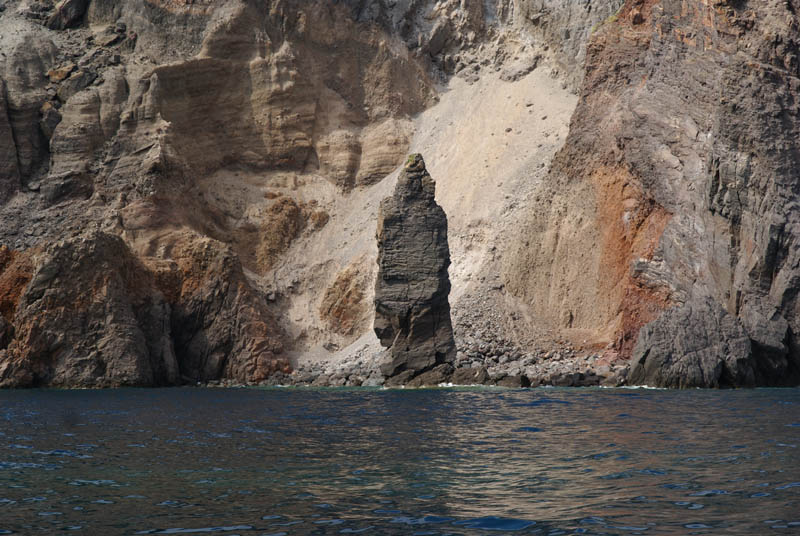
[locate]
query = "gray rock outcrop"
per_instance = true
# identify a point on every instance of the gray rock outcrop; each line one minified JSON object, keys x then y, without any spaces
{"x":67,"y":14}
{"x":412,"y":312}
{"x":91,"y":316}
{"x":700,"y":344}
{"x":696,"y":345}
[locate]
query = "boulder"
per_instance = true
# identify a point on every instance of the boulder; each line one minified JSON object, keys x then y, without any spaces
{"x":77,"y":81}
{"x":514,"y":381}
{"x":68,"y":13}
{"x":400,"y":379}
{"x":436,"y":376}
{"x":470,"y":376}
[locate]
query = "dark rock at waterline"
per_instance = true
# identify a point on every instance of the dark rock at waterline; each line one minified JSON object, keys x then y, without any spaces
{"x":575,"y":379}
{"x":470,"y":376}
{"x":775,"y":362}
{"x":696,"y":345}
{"x":412,"y":312}
{"x":514,"y":381}
{"x":700,"y":344}
{"x":435,"y":376}
{"x":400,"y":379}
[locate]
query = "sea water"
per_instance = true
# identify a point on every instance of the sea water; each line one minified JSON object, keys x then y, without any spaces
{"x":432,"y":461}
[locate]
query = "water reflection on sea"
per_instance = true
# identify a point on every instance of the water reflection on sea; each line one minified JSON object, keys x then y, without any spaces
{"x":433,"y":461}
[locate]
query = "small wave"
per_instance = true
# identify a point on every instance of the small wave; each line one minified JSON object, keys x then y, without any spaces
{"x":540,"y":402}
{"x":63,"y":453}
{"x":329,"y":522}
{"x":22,"y":465}
{"x":197,"y":531}
{"x":708,"y":492}
{"x":495,"y":523}
{"x":81,"y":482}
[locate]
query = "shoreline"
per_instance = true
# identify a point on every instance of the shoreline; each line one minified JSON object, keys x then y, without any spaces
{"x":528,"y":370}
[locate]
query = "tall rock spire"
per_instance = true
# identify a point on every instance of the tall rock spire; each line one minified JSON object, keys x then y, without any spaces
{"x":412,"y":313}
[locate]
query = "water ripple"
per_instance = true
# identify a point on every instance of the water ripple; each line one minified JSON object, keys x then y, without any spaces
{"x":464,"y":461}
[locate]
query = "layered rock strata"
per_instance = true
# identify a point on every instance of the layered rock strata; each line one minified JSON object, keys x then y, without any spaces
{"x":412,"y":311}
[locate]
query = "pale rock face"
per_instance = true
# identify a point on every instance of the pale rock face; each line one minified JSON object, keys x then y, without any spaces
{"x":412,"y":312}
{"x":74,"y":141}
{"x":9,"y":169}
{"x":382,"y":145}
{"x":24,"y":76}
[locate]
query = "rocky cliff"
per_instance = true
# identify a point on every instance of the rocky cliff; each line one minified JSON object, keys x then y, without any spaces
{"x":681,"y":170}
{"x":189,"y":189}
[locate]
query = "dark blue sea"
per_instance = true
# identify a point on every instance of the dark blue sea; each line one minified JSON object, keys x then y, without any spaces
{"x":417,"y":462}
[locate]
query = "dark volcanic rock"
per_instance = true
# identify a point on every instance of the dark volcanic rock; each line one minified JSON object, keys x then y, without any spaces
{"x":400,"y":379}
{"x":221,"y":326}
{"x":68,"y":13}
{"x":91,"y":316}
{"x":437,"y":375}
{"x":412,"y":312}
{"x":470,"y":376}
{"x":514,"y":381}
{"x":50,"y":120}
{"x":574,"y":379}
{"x":76,"y":82}
{"x":693,"y":346}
